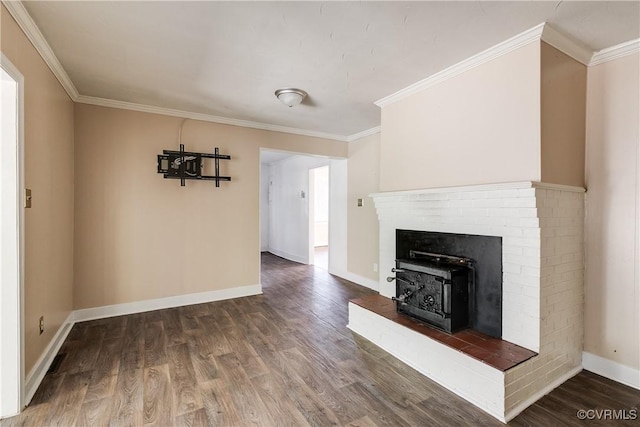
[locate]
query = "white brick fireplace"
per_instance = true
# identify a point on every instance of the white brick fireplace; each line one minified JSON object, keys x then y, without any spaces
{"x":541,"y":226}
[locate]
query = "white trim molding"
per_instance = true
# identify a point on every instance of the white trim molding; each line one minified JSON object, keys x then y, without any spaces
{"x":542,"y":32}
{"x":474,"y":61}
{"x":615,"y":52}
{"x":567,"y":45}
{"x":161,"y":303}
{"x":613,"y":370}
{"x":31,"y":30}
{"x":289,"y":256}
{"x":124,"y":105}
{"x":358,"y":280}
{"x":39,"y":370}
{"x":363,"y":134}
{"x":37,"y":39}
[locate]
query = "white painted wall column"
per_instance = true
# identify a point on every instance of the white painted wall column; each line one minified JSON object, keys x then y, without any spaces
{"x":338,"y":218}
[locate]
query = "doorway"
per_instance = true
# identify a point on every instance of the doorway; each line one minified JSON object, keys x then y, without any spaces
{"x":11,"y":246}
{"x":319,"y":216}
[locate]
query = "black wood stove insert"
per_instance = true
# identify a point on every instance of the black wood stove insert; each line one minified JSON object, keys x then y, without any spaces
{"x":435,"y":288}
{"x":485,"y":252}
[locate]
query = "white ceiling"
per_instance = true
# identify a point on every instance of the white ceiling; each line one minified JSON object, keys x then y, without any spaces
{"x":227,"y":58}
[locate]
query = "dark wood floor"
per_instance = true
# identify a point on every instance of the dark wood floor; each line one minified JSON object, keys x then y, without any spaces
{"x":278,"y":359}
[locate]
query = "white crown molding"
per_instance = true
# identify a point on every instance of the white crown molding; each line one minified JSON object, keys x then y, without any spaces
{"x":31,"y":30}
{"x":567,"y":45}
{"x":487,"y":55}
{"x":615,"y":52}
{"x":544,"y":32}
{"x":104,"y":102}
{"x":363,"y":134}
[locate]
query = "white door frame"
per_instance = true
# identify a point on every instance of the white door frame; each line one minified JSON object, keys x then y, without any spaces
{"x":12,"y":262}
{"x":312,"y":210}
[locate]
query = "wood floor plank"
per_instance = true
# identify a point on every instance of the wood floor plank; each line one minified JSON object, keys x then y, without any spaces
{"x":68,"y":400}
{"x":95,"y":413}
{"x":250,"y":406}
{"x":283,"y":358}
{"x":101,"y":387}
{"x":321,"y":383}
{"x":220,"y":409}
{"x":204,"y":366}
{"x":208,"y":338}
{"x":173,"y":327}
{"x":116,"y":327}
{"x":48,"y":388}
{"x":32,"y":416}
{"x":155,"y":344}
{"x":193,"y":419}
{"x":361,"y":422}
{"x":186,"y":396}
{"x":158,"y":396}
{"x":378,"y":411}
{"x":105,"y":370}
{"x":127,"y":407}
{"x":251,"y":362}
{"x":278,"y":403}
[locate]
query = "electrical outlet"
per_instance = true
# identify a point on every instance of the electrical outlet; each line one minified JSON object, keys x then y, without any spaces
{"x":360,"y":203}
{"x":41,"y":324}
{"x":375,"y":267}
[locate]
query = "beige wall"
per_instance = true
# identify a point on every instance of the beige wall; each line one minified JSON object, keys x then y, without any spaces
{"x":563,"y":105}
{"x":482,"y":126}
{"x":362,"y":225}
{"x":48,"y":164}
{"x":612,"y":292}
{"x":139,"y":236}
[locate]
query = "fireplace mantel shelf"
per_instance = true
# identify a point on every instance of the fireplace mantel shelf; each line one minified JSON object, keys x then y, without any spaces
{"x":497,"y":353}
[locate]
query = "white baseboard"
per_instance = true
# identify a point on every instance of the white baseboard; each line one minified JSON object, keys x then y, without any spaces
{"x":37,"y":373}
{"x":359,"y":280}
{"x":290,"y":257}
{"x":612,"y":370}
{"x":537,"y":396}
{"x":168,"y":302}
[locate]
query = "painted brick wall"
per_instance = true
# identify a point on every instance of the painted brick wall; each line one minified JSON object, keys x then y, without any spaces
{"x":561,"y":215}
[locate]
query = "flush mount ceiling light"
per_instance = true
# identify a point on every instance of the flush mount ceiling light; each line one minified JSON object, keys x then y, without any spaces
{"x":291,"y":96}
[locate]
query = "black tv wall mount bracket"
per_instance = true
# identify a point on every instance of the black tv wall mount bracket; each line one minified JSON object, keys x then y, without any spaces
{"x":185,"y":165}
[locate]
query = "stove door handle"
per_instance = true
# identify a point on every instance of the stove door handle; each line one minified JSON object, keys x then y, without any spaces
{"x":397,"y":270}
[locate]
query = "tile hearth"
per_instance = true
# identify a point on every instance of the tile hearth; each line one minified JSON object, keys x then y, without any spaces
{"x":495,"y":352}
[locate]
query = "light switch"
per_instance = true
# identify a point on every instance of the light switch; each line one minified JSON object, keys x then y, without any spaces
{"x":27,"y":198}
